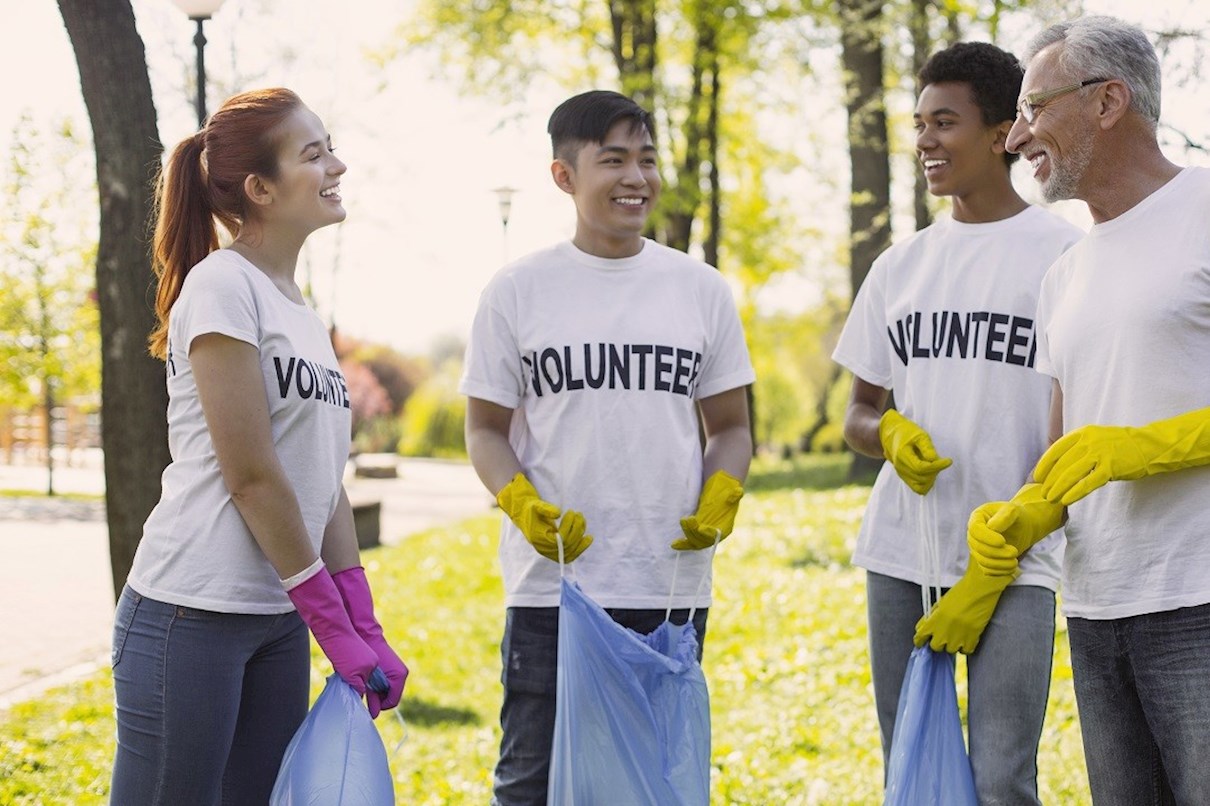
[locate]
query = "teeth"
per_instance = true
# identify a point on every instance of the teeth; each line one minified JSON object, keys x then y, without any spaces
{"x":933,"y":163}
{"x":630,"y":200}
{"x":1036,"y":159}
{"x":332,"y":191}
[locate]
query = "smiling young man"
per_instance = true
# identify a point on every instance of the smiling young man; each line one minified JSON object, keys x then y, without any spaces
{"x":587,"y":367}
{"x":1124,"y":331}
{"x":945,"y":321}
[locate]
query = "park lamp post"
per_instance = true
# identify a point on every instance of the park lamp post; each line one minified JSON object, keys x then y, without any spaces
{"x":504,"y":195}
{"x":199,"y":11}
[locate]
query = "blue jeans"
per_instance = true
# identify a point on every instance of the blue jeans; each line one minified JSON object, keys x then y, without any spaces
{"x":1143,"y":690}
{"x":1008,"y":680}
{"x":529,"y":653}
{"x":206,"y":702}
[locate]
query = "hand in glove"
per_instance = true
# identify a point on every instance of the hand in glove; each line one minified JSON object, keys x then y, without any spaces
{"x":1091,"y":456}
{"x":715,"y":517}
{"x":318,"y":601}
{"x":359,"y":604}
{"x":957,"y":622}
{"x":998,"y":532}
{"x":539,"y":521}
{"x":910,"y":450}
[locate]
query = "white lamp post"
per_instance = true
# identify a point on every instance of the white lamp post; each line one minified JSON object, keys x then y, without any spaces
{"x":504,"y":194}
{"x":199,"y":11}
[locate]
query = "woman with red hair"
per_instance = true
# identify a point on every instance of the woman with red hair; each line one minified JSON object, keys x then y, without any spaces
{"x":252,"y":542}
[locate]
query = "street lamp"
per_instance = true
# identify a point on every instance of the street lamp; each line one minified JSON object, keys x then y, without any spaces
{"x":199,"y":11}
{"x":504,"y":194}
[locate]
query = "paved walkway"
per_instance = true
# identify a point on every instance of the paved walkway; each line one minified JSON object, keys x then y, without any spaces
{"x":56,"y":588}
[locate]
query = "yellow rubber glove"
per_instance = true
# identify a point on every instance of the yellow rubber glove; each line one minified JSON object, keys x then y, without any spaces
{"x":539,"y":521}
{"x":716,"y":509}
{"x":957,"y":622}
{"x":1094,"y":455}
{"x":910,"y":450}
{"x":998,"y":532}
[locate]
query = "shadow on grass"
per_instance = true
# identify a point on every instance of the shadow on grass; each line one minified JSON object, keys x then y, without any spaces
{"x":809,"y":471}
{"x":421,"y":712}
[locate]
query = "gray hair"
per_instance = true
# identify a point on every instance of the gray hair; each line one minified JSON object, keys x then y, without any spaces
{"x":1106,"y":47}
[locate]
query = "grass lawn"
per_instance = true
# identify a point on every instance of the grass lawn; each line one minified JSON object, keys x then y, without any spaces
{"x":791,"y":702}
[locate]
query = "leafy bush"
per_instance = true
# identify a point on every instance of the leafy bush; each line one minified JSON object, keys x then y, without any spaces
{"x":434,"y":417}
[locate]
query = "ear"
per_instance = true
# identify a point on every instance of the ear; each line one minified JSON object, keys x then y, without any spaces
{"x":257,"y":191}
{"x":999,"y":145}
{"x":1114,"y":103}
{"x":564,"y":176}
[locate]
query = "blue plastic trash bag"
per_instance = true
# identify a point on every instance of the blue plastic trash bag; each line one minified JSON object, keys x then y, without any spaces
{"x":336,"y":757}
{"x":928,"y":753}
{"x":632,"y":714}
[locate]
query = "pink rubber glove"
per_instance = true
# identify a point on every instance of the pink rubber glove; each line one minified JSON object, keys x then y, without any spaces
{"x":355,"y":590}
{"x":321,"y":607}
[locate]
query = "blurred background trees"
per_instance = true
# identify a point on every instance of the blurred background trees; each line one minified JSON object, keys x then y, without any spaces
{"x":786,"y":146}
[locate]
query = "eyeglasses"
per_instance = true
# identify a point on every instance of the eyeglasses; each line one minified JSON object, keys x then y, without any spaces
{"x":1029,"y":106}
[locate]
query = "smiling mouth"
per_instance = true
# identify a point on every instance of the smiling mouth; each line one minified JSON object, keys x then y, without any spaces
{"x":630,"y":201}
{"x":931,"y":165}
{"x":332,"y":193}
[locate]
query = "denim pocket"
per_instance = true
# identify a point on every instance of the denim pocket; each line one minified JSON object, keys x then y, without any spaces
{"x":128,"y":606}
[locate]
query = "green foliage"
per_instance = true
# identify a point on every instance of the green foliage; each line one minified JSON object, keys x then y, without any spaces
{"x":434,"y":417}
{"x":49,"y":322}
{"x":786,"y":659}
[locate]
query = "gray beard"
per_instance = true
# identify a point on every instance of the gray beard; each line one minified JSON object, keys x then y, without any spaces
{"x":1065,"y":176}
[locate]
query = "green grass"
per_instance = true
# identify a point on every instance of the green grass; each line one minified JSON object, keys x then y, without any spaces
{"x":11,"y":493}
{"x":792,"y":707}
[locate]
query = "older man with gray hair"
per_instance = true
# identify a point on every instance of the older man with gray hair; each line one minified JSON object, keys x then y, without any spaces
{"x":1124,"y":330}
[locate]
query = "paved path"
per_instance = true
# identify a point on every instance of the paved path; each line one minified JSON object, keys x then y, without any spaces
{"x":56,"y":589}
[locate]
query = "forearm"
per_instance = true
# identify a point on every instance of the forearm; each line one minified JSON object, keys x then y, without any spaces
{"x":340,"y":550}
{"x":729,"y":450}
{"x":268,"y":505}
{"x":861,"y":430}
{"x":493,"y":458}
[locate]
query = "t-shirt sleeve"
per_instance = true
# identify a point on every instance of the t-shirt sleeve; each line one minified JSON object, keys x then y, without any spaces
{"x":216,"y":298}
{"x":863,"y":347}
{"x":726,"y":365}
{"x":492,"y":369}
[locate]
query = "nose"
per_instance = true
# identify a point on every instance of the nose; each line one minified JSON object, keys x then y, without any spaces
{"x":634,"y":175}
{"x":337,"y":168}
{"x":1018,"y":135}
{"x":924,"y":140}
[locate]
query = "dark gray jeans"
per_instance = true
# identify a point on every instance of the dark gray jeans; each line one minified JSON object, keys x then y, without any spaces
{"x":206,"y":702}
{"x":1143,"y":689}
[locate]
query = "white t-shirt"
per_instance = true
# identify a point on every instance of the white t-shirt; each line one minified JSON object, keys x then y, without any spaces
{"x":196,"y":549}
{"x":602,"y":362}
{"x":946,"y":320}
{"x":1124,"y":325}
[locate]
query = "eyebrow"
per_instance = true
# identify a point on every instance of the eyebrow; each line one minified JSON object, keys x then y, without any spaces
{"x":622,"y":150}
{"x":316,"y":144}
{"x":945,"y":110}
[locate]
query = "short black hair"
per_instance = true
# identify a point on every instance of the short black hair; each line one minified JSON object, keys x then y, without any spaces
{"x":993,"y":75}
{"x":588,"y":117}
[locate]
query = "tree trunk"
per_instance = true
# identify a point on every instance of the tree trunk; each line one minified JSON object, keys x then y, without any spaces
{"x":634,"y":43}
{"x":870,"y":192}
{"x":134,"y":432}
{"x":921,"y":45}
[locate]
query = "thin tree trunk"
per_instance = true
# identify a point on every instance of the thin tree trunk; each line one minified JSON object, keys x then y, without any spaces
{"x":117,"y":93}
{"x":870,"y":192}
{"x":921,"y":44}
